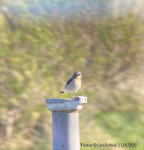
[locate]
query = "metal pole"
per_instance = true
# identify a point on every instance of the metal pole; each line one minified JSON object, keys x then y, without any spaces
{"x":65,"y":130}
{"x":65,"y":122}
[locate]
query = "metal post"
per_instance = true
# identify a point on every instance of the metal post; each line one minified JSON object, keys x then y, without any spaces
{"x":65,"y":122}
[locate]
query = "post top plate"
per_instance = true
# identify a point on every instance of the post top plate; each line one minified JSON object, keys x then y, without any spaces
{"x":66,"y":104}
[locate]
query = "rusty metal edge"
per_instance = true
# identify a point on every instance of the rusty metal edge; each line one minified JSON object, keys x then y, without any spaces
{"x":66,"y":111}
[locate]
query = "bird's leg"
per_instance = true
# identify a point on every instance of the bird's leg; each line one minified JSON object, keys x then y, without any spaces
{"x":69,"y":95}
{"x":75,"y":94}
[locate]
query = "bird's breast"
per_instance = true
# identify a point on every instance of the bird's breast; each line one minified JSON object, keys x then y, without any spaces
{"x":73,"y":86}
{"x":77,"y":82}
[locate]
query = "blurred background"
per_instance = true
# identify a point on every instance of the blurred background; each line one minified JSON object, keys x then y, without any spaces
{"x":43,"y":42}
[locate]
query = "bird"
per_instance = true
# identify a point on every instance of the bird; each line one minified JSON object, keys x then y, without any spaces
{"x":73,"y":84}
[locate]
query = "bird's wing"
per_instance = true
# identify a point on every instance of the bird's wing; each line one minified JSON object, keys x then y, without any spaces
{"x":68,"y":81}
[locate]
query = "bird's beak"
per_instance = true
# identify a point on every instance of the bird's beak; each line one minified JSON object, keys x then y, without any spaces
{"x":82,"y":74}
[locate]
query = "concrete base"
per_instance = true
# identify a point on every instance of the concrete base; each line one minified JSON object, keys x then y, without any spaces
{"x":65,"y":122}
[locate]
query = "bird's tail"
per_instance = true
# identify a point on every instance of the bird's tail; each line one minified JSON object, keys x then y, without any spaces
{"x":62,"y":92}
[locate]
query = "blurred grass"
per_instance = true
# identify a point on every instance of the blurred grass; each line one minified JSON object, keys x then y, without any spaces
{"x":118,"y":119}
{"x":113,"y":127}
{"x":42,"y":44}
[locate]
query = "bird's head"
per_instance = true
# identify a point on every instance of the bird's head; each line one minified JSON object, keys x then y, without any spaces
{"x":77,"y":75}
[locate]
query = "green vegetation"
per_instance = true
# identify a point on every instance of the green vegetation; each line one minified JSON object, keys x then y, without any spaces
{"x":42,"y":43}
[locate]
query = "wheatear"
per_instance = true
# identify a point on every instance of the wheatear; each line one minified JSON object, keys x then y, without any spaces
{"x":73,"y":84}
